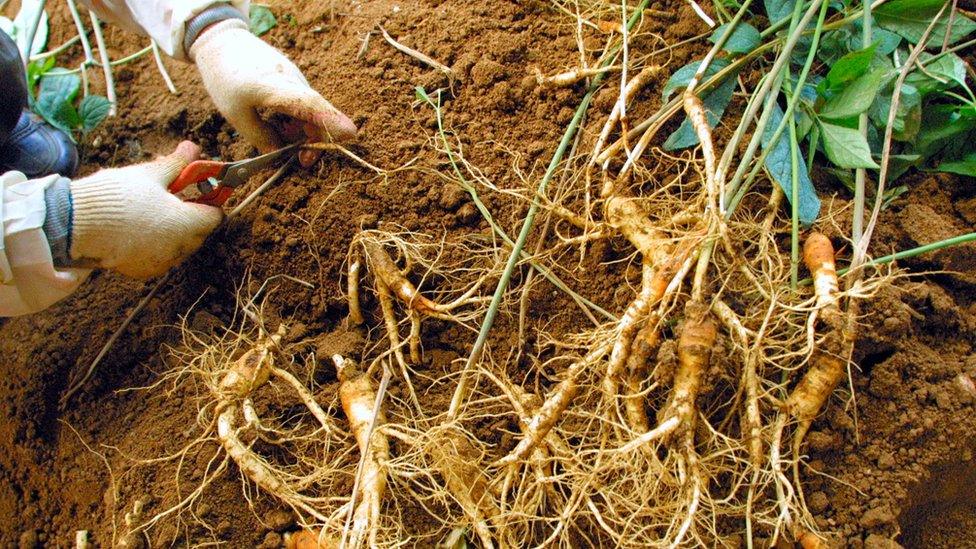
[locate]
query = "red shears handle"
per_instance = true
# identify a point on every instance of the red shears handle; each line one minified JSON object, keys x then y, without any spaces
{"x":199,"y":171}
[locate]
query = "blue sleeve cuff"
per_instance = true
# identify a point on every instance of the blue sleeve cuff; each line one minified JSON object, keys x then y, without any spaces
{"x":207,"y":17}
{"x":57,"y":221}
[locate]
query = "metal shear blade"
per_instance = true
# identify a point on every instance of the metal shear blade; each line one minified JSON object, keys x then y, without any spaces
{"x":228,"y":175}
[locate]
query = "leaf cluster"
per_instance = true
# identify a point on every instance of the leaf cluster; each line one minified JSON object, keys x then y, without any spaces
{"x":934,"y":123}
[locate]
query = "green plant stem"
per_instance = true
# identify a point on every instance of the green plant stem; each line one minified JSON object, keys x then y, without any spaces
{"x":121,"y":61}
{"x":719,"y":44}
{"x":814,"y":143}
{"x":479,"y":345}
{"x":794,"y":201}
{"x":857,"y":223}
{"x":55,"y":51}
{"x":782,"y":61}
{"x":793,"y":100}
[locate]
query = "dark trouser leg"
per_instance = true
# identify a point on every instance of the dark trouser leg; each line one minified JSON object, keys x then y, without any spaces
{"x":13,"y":86}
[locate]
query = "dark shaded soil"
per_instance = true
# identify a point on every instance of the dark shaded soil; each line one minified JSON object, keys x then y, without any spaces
{"x":898,"y":465}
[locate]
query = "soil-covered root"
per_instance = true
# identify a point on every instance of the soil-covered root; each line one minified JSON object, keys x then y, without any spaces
{"x":359,"y":402}
{"x":457,"y":461}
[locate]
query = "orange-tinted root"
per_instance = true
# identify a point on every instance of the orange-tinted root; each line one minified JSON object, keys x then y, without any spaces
{"x":828,"y":362}
{"x":694,"y":351}
{"x":808,"y":397}
{"x":644,"y":346}
{"x":384,"y":268}
{"x":818,"y":255}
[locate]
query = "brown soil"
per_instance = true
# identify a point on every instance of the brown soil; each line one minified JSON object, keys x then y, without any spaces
{"x":897,"y":463}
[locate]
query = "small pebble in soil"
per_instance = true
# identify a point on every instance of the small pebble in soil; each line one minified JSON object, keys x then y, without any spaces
{"x":877,"y":516}
{"x":272,"y":540}
{"x":818,"y":502}
{"x":279,"y":520}
{"x":875,"y":541}
{"x":28,"y":540}
{"x":452,"y":196}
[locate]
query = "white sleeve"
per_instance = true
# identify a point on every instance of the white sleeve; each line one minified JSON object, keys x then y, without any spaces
{"x":162,"y":20}
{"x":28,"y":280}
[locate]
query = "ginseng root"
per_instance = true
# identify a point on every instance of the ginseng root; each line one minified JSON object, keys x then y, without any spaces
{"x":694,"y":351}
{"x":827,"y":364}
{"x":554,"y":406}
{"x":455,"y":458}
{"x":358,"y":397}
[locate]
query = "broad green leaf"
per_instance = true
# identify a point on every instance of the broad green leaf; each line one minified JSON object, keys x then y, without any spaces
{"x":855,"y":98}
{"x":779,"y":164}
{"x":947,"y":132}
{"x":714,"y":102}
{"x":838,"y":43}
{"x":37,"y":69}
{"x":849,"y":67}
{"x":55,"y":99}
{"x":966,"y":166}
{"x":92,"y":111}
{"x":898,"y":164}
{"x":262,"y":20}
{"x":22,"y":23}
{"x":744,"y":39}
{"x":681,"y":77}
{"x":908,"y":119}
{"x":910,"y":18}
{"x":778,"y":9}
{"x":846,"y":147}
{"x":943,"y":73}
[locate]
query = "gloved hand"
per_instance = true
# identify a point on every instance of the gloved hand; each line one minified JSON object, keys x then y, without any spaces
{"x":125,"y":218}
{"x":243,"y":75}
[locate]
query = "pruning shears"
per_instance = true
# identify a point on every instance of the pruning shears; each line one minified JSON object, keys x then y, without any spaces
{"x":217,"y":180}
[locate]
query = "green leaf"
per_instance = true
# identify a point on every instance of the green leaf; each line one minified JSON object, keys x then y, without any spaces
{"x":92,"y":111}
{"x":854,"y":99}
{"x":779,"y":164}
{"x":262,"y":20}
{"x":908,"y":119}
{"x":838,"y":43}
{"x":714,"y":101}
{"x":37,"y":69}
{"x":849,"y":67}
{"x":944,"y":72}
{"x":966,"y":166}
{"x":681,"y":77}
{"x":846,"y":147}
{"x":898,"y":164}
{"x":744,"y":39}
{"x":778,"y":9}
{"x":910,"y":18}
{"x":946,"y":132}
{"x":55,"y":99}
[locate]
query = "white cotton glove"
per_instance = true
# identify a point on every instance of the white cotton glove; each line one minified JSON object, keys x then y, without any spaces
{"x":244,"y":75}
{"x":125,"y":219}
